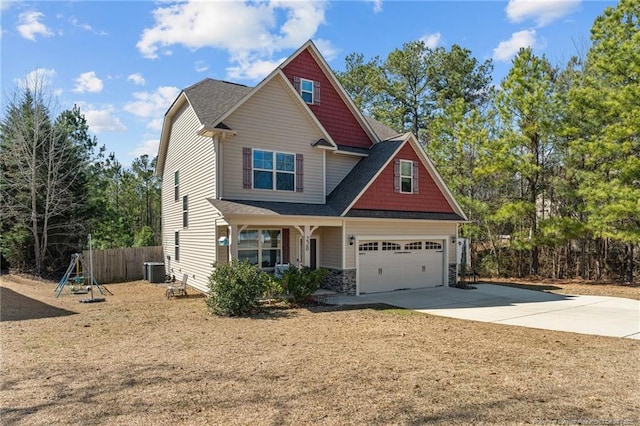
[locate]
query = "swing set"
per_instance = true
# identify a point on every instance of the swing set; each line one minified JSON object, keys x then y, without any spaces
{"x":76,"y":274}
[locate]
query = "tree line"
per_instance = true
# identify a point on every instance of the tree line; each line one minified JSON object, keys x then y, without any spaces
{"x":57,"y":185}
{"x":546,"y":164}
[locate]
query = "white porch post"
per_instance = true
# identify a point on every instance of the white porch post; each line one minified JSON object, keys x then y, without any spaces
{"x":234,"y":232}
{"x":233,"y":242}
{"x":306,"y":233}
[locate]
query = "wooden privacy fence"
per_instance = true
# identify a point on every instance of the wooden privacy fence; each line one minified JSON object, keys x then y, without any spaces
{"x":122,"y":264}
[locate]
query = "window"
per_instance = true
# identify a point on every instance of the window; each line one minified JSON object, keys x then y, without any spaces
{"x":261,"y":247}
{"x":430,"y":245}
{"x":176,"y":247}
{"x":185,"y":211}
{"x":274,"y":170}
{"x":389,"y":246}
{"x":406,"y":176}
{"x":417,"y":245}
{"x":176,"y":186}
{"x":373,"y":246}
{"x":306,"y":90}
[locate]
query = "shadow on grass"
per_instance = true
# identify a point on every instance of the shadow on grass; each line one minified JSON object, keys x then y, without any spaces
{"x":535,"y":287}
{"x":17,"y":307}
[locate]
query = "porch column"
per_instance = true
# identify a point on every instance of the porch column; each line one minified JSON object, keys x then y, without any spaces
{"x":234,"y":232}
{"x":306,"y":231}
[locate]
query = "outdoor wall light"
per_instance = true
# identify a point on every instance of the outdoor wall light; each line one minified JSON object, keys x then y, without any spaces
{"x":352,"y":240}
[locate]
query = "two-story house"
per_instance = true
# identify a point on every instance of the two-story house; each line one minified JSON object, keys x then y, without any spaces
{"x":291,"y":172}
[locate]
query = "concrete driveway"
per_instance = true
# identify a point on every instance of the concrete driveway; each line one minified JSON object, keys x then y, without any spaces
{"x":599,"y":315}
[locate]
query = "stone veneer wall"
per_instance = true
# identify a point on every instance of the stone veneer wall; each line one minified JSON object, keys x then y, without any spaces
{"x":342,"y":281}
{"x":453,"y":274}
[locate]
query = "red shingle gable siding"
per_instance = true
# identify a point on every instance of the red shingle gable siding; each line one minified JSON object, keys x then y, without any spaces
{"x":381,"y":195}
{"x":332,"y":112}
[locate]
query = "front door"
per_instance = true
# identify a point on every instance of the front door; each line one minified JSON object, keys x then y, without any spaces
{"x":313,"y":261}
{"x":313,"y":252}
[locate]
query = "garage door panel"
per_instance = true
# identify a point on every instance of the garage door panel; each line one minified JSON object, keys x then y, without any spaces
{"x":387,"y":265}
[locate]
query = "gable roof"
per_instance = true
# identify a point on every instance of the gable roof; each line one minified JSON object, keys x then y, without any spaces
{"x":359,"y":177}
{"x":383,"y":131}
{"x":355,"y":184}
{"x":226,"y":95}
{"x":333,"y":80}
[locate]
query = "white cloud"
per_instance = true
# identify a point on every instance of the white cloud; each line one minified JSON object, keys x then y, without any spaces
{"x":29,"y":25}
{"x":377,"y":5}
{"x":137,"y":79}
{"x":155,"y":124}
{"x":266,"y":27}
{"x":431,"y":40}
{"x":152,"y":104}
{"x":328,"y":50}
{"x":200,"y":66}
{"x":148,"y":147}
{"x":507,"y":49}
{"x":78,"y":24}
{"x":40,"y":77}
{"x":88,"y":82}
{"x":252,"y":68}
{"x":101,"y":120}
{"x":542,"y":12}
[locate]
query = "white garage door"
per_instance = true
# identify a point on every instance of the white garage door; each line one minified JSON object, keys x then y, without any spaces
{"x":387,"y":265}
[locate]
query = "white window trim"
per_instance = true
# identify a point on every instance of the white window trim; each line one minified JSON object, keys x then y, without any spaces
{"x":274,"y":171}
{"x":260,"y":248}
{"x":410,"y":177}
{"x":176,"y":186}
{"x":302,"y":81}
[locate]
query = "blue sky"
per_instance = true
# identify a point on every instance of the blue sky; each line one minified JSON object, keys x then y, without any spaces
{"x":124,"y":62}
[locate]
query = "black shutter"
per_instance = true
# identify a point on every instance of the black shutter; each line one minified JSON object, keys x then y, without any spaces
{"x":299,"y":173}
{"x":396,"y":175}
{"x":246,"y":168}
{"x":285,"y":245}
{"x":316,"y":92}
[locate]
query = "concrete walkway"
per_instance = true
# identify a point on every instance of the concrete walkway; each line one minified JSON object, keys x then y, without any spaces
{"x":599,"y":315}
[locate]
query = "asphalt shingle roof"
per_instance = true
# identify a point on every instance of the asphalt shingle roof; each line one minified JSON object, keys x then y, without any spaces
{"x":271,"y":208}
{"x":361,"y":174}
{"x":211,"y":98}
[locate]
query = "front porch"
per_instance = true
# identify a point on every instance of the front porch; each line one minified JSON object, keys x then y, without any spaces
{"x":270,"y":243}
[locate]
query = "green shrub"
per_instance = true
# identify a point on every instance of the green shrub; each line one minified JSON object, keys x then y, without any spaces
{"x":300,"y":283}
{"x":273,"y":288}
{"x":234,"y":288}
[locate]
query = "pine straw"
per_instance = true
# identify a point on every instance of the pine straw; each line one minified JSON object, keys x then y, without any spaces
{"x":139,"y":358}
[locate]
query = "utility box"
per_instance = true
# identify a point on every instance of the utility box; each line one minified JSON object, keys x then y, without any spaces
{"x":155,"y":272}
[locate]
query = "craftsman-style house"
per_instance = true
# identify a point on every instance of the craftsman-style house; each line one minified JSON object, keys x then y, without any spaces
{"x":290,"y":172}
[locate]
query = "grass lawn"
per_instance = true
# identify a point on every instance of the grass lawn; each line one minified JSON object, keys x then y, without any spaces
{"x":139,"y":358}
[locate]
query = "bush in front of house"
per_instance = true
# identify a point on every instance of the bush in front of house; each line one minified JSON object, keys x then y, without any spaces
{"x":235,"y":288}
{"x":300,"y":283}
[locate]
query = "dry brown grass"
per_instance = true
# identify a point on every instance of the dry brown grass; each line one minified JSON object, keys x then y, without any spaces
{"x":139,"y":358}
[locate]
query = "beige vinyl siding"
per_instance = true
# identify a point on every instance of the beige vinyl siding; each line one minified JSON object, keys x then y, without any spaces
{"x":273,"y":120}
{"x":222,"y":252}
{"x":331,"y":244}
{"x":398,"y":229}
{"x":194,"y":157}
{"x":339,"y":166}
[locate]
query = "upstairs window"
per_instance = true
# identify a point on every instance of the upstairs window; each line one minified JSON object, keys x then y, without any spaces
{"x":309,"y":90}
{"x":306,"y":90}
{"x":176,"y":185}
{"x":274,"y":170}
{"x":406,"y":176}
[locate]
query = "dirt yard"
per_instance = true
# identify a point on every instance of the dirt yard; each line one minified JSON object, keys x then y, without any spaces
{"x":139,"y":358}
